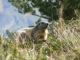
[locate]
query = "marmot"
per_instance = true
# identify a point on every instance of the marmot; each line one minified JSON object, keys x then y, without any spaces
{"x":34,"y":34}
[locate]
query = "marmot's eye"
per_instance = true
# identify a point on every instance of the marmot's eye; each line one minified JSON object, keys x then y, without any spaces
{"x":42,"y":22}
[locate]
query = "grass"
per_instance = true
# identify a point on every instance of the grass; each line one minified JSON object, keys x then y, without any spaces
{"x":63,"y":44}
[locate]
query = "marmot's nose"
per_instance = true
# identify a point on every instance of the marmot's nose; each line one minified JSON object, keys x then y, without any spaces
{"x":46,"y":23}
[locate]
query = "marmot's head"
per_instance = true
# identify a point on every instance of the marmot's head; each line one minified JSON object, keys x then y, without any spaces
{"x":42,"y":25}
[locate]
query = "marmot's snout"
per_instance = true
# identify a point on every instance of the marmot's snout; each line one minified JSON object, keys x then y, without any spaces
{"x":45,"y":25}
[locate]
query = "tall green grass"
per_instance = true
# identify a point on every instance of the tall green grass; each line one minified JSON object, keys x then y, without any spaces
{"x":63,"y":43}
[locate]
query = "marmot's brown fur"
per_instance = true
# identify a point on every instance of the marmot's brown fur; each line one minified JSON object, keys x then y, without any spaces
{"x":34,"y":34}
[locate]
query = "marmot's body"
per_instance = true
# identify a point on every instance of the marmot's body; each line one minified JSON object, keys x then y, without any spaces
{"x":33,"y":34}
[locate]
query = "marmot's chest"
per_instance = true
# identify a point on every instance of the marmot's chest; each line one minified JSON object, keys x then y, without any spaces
{"x":40,"y":34}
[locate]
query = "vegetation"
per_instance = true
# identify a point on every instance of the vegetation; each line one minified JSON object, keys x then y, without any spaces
{"x":63,"y":43}
{"x":52,"y":9}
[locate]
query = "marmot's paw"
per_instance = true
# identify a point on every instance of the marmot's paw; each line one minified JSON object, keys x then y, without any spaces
{"x":44,"y":40}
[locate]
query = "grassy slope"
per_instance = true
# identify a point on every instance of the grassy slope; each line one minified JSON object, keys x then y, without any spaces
{"x":63,"y":44}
